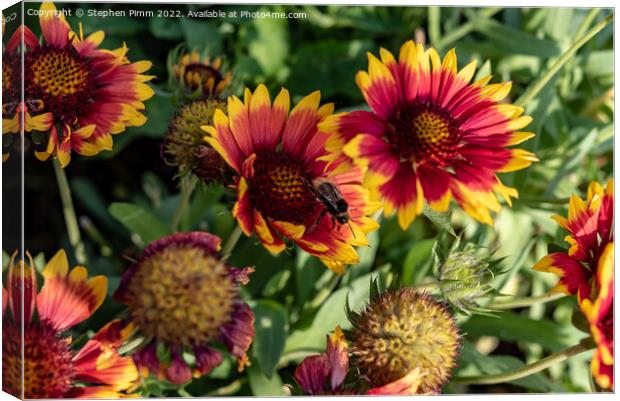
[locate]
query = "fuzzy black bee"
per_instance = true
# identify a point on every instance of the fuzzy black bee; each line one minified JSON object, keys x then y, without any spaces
{"x":329,"y":195}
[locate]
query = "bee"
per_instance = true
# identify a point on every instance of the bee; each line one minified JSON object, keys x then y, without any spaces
{"x":329,"y":195}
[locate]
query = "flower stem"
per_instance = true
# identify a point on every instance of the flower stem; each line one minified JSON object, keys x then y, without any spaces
{"x":524,"y":302}
{"x":431,"y":287}
{"x":539,"y":85}
{"x":232,"y":240}
{"x":188,"y":184}
{"x":585,"y":345}
{"x":73,"y":229}
{"x":228,"y":389}
{"x":555,"y":201}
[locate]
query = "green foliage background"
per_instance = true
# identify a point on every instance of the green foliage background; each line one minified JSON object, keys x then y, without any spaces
{"x":126,"y":198}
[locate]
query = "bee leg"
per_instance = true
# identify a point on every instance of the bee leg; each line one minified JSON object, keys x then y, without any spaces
{"x":318,"y":220}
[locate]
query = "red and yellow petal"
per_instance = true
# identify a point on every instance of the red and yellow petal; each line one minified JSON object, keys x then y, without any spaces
{"x":267,"y":235}
{"x":243,"y":210}
{"x":302,"y":124}
{"x":67,"y":298}
{"x":603,"y":372}
{"x":402,"y":195}
{"x":98,"y":363}
{"x":221,"y":138}
{"x":573,"y":276}
{"x":407,"y":385}
{"x":372,"y":153}
{"x":379,"y":87}
{"x":435,"y":184}
{"x":54,"y":26}
{"x":22,"y":289}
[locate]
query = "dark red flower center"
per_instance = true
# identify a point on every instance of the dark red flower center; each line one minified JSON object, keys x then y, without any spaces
{"x":424,"y":133}
{"x":280,"y":188}
{"x":61,"y":78}
{"x":47,"y":364}
{"x":200,"y":75}
{"x":10,"y":77}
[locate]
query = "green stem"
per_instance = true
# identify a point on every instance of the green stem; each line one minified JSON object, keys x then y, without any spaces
{"x":539,"y":85}
{"x":557,"y":201}
{"x":324,"y":293}
{"x":524,"y":302}
{"x":229,"y":389}
{"x":432,"y":286}
{"x":434,"y":22}
{"x":466,"y":28}
{"x":73,"y":229}
{"x":232,"y":240}
{"x":587,"y":21}
{"x":188,"y":184}
{"x":583,"y":346}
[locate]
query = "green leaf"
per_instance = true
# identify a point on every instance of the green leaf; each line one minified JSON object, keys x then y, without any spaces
{"x":476,"y":363}
{"x":417,"y":262}
{"x":200,"y":35}
{"x":271,"y":327}
{"x":599,"y":63}
{"x":441,"y":220}
{"x":166,"y":28}
{"x":308,"y":271}
{"x":558,"y":23}
{"x":332,"y":313}
{"x":579,"y":152}
{"x":145,"y":227}
{"x":510,"y":326}
{"x":262,"y":385}
{"x":276,"y":283}
{"x":331,"y":62}
{"x":512,"y":40}
{"x":267,"y":42}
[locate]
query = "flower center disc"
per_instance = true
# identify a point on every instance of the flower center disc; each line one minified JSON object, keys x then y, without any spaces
{"x":181,"y":295}
{"x":198,"y":74}
{"x":10,"y":77}
{"x":61,"y":78}
{"x":424,"y":133}
{"x":279,"y":189}
{"x":402,"y":331}
{"x":48,"y":365}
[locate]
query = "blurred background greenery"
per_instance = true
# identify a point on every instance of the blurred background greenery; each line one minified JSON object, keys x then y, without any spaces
{"x":127,"y":197}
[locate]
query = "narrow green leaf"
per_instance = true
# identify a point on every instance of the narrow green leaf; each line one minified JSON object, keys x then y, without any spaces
{"x":145,"y":227}
{"x":417,"y":262}
{"x":516,"y":41}
{"x":262,"y":385}
{"x":271,"y":325}
{"x":514,"y":327}
{"x":484,"y":364}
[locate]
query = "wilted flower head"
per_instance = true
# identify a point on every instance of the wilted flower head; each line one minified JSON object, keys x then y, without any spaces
{"x":586,"y":269}
{"x":184,"y":146}
{"x":325,"y":373}
{"x":51,"y":367}
{"x":183,"y":298}
{"x":199,"y":76}
{"x":399,"y":331}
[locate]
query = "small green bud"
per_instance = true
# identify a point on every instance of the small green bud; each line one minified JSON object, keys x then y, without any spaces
{"x":465,"y":276}
{"x":185,"y":147}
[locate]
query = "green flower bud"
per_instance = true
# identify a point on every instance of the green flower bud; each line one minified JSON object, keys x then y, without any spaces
{"x":465,"y":276}
{"x":184,"y":146}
